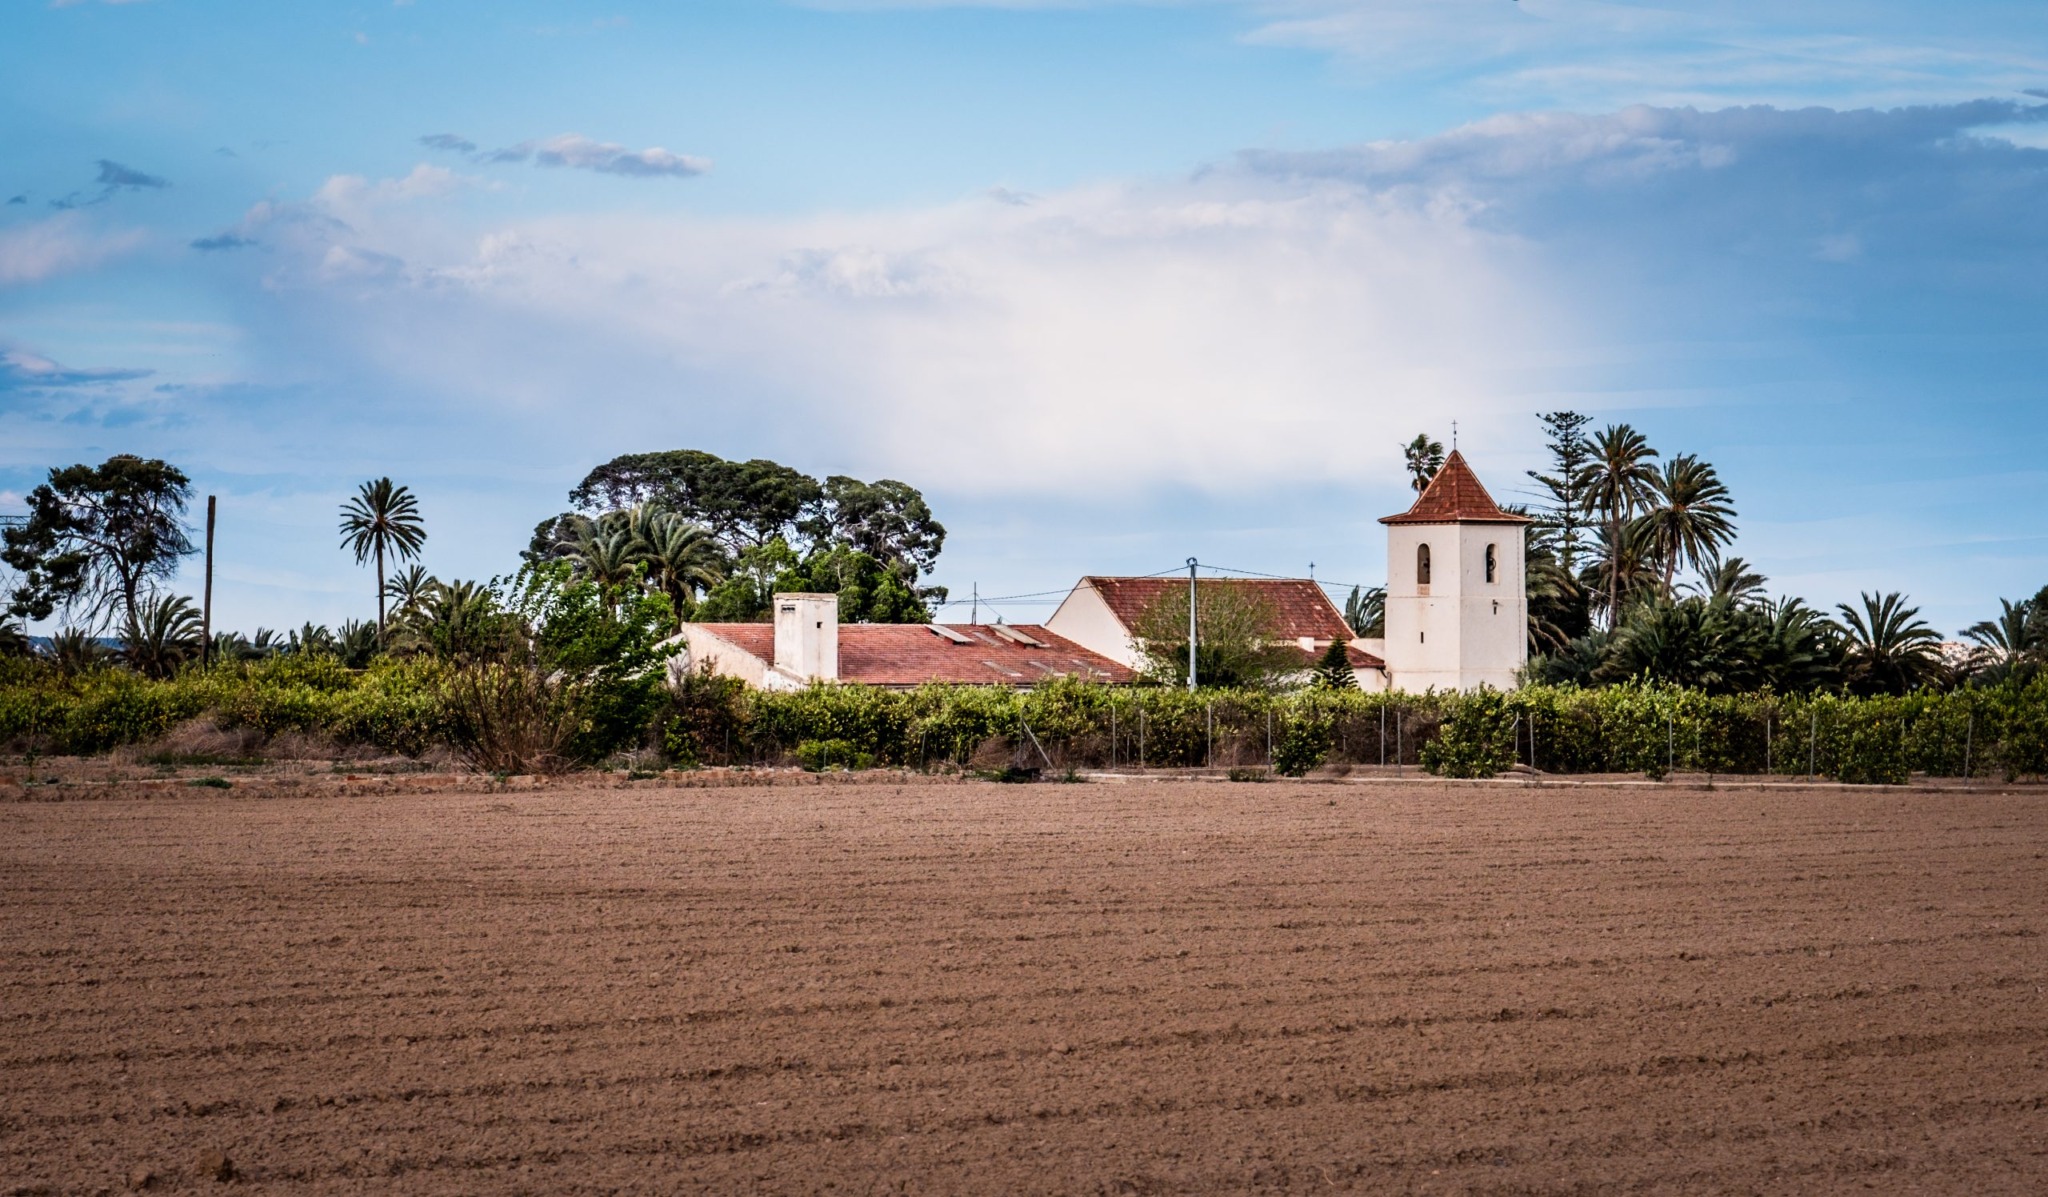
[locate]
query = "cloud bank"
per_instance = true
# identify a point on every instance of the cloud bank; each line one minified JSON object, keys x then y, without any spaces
{"x":577,"y":152}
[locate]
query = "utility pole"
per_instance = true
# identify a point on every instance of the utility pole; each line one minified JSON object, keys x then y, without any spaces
{"x":206,"y":604}
{"x":1191,"y":625}
{"x":976,"y":617}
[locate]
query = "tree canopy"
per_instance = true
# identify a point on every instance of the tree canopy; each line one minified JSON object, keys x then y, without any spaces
{"x":741,"y":530}
{"x":99,"y":539}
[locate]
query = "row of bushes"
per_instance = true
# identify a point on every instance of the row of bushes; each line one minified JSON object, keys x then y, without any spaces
{"x":503,"y":719}
{"x":1650,"y":729}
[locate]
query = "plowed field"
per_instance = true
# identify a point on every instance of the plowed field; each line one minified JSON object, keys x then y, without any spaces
{"x":948,"y":988}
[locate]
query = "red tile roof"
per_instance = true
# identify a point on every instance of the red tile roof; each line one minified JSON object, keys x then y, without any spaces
{"x":911,"y":654}
{"x":1455,"y":496}
{"x":1300,"y":605}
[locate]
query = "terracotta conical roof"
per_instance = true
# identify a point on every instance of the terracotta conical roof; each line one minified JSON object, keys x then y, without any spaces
{"x":1455,"y":496}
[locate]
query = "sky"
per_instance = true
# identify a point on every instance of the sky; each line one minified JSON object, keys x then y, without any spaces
{"x":1114,"y":284}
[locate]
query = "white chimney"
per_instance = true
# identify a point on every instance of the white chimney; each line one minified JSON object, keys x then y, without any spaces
{"x":807,"y":636}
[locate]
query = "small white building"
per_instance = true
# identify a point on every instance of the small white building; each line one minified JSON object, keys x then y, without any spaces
{"x":807,"y":644}
{"x":1457,"y":592}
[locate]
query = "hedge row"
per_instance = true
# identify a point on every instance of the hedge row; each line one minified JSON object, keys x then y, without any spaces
{"x":1647,"y":729}
{"x":404,"y":707}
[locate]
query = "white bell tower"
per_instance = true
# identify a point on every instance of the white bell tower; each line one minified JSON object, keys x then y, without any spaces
{"x":1457,"y":594}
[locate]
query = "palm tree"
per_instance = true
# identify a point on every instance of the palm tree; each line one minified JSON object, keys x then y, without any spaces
{"x":75,"y":650}
{"x":1890,"y":649}
{"x":408,"y":586}
{"x":682,"y":558}
{"x":2016,"y":637}
{"x":1732,"y":581}
{"x":1621,"y":574}
{"x":604,"y":552}
{"x":1366,"y":611}
{"x":382,"y":519}
{"x":1691,"y":518}
{"x":355,"y":644}
{"x":161,"y":634}
{"x":1424,"y":457}
{"x":311,"y":638}
{"x":1622,"y":482}
{"x":458,"y":621}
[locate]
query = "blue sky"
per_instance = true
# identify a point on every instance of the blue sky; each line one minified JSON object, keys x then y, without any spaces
{"x":1116,"y":284}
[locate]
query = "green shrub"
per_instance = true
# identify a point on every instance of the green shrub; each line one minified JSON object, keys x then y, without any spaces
{"x":1478,"y":740}
{"x":816,"y":756}
{"x":1306,"y":745}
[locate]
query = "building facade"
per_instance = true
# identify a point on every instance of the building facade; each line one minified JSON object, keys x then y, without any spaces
{"x":1457,"y":588}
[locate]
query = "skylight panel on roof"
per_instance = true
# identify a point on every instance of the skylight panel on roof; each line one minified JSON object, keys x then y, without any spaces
{"x":1016,"y":637}
{"x":945,"y":633}
{"x":1001,"y":670}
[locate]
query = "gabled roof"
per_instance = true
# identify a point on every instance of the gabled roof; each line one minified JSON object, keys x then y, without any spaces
{"x":911,"y":654}
{"x":1300,"y":606}
{"x":1455,"y":496}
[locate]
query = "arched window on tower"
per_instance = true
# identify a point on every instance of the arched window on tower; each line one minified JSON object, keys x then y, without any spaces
{"x":1422,"y":565}
{"x":1492,"y":562}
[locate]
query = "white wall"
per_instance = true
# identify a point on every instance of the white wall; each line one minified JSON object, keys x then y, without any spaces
{"x":1460,"y":631}
{"x":1087,"y":621}
{"x":807,"y":636}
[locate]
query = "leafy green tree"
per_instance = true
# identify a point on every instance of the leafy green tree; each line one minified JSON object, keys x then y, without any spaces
{"x":162,"y":636}
{"x":1567,"y":483}
{"x":1620,"y":484}
{"x":887,"y":520}
{"x":744,"y":503}
{"x":1690,"y":517}
{"x":750,"y":584}
{"x":1333,"y":671}
{"x":1423,"y":457}
{"x":1366,"y":611}
{"x":98,"y":539}
{"x":868,"y":591}
{"x":382,"y":520}
{"x":1234,"y":638}
{"x":1890,"y":649}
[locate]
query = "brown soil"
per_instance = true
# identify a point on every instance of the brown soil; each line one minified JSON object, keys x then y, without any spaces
{"x":964,"y":988}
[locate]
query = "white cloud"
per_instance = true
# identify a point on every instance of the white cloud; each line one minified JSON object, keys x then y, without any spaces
{"x":60,"y":244}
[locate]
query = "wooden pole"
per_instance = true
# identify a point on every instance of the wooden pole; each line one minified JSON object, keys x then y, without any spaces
{"x":206,"y":604}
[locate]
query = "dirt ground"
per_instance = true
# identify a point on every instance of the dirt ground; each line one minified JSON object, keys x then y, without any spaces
{"x":1116,"y":987}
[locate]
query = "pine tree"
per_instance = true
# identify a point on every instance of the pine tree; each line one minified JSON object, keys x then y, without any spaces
{"x":1333,"y":672}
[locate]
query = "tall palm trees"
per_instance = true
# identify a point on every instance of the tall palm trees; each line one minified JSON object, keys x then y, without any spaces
{"x":1890,"y":649}
{"x":1691,"y":517}
{"x":383,"y":519}
{"x":643,"y":544}
{"x":1622,"y":482}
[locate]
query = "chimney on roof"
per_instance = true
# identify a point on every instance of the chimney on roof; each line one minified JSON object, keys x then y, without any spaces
{"x":807,"y":636}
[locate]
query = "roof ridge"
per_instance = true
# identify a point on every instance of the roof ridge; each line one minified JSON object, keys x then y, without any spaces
{"x":1455,"y":495}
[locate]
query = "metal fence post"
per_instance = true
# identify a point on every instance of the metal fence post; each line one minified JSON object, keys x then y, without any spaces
{"x":1969,"y":742}
{"x":1812,"y":740}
